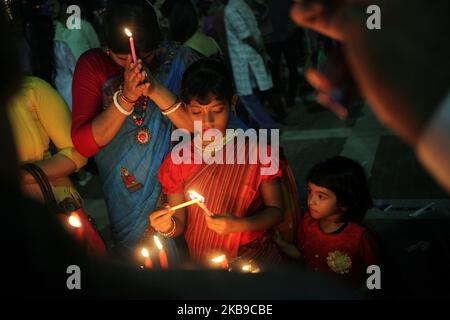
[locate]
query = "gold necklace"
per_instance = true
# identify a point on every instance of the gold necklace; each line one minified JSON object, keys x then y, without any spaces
{"x":215,"y":145}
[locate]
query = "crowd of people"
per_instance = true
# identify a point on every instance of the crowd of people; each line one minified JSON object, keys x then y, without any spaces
{"x":233,"y":64}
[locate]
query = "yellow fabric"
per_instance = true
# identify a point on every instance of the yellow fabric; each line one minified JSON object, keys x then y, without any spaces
{"x":39,"y":115}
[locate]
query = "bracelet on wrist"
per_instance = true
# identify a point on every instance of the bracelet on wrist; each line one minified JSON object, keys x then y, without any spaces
{"x":172,"y":108}
{"x":119,"y":107}
{"x":124,"y":101}
{"x":171,"y":232}
{"x":124,"y":97}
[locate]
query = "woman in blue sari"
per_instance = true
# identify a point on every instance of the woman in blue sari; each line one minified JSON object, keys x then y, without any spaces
{"x":123,"y":114}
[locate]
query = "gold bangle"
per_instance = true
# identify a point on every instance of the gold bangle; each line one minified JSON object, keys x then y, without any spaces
{"x":167,"y":109}
{"x":171,"y":232}
{"x":172,"y":108}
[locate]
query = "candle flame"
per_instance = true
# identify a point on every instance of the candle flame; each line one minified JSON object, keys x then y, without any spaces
{"x":145,"y":253}
{"x":219,"y":259}
{"x":128,"y":32}
{"x":158,"y":243}
{"x":247,"y":267}
{"x":74,"y":220}
{"x":194,"y":196}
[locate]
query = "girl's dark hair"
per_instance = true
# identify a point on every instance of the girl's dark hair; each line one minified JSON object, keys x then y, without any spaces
{"x":183,"y":19}
{"x":39,"y":34}
{"x":136,"y":15}
{"x":347,"y":179}
{"x":204,"y":79}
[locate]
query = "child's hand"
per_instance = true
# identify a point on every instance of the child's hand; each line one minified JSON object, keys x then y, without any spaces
{"x":222,"y":224}
{"x":161,"y":220}
{"x":289,"y":249}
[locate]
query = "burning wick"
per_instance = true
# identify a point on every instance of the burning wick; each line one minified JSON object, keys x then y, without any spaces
{"x":133,"y":50}
{"x":74,"y":220}
{"x":250,"y":269}
{"x":221,"y":260}
{"x":247,"y":268}
{"x":147,"y":261}
{"x":162,"y":253}
{"x":201,"y":201}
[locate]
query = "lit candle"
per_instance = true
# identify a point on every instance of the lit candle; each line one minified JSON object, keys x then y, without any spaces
{"x":256,"y":270}
{"x":248,"y":268}
{"x":201,"y":203}
{"x":221,"y":260}
{"x":133,"y":50}
{"x":147,"y":261}
{"x":75,"y":221}
{"x":162,"y":253}
{"x":185,"y":204}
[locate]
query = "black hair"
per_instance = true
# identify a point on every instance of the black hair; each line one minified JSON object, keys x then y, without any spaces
{"x":204,"y":6}
{"x":10,"y":62}
{"x":136,"y":15}
{"x":347,"y":179}
{"x":183,"y":19}
{"x":207,"y":78}
{"x":10,"y":66}
{"x":39,"y":33}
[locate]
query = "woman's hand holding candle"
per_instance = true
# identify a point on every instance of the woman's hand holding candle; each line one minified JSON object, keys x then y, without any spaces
{"x":162,"y":220}
{"x":134,"y":84}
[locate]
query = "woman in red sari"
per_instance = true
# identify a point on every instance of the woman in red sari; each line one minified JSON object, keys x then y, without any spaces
{"x":245,"y":203}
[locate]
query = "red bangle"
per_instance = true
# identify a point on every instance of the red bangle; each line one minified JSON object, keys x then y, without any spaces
{"x":124,"y":97}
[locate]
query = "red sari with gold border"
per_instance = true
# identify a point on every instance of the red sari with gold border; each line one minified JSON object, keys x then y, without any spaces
{"x":231,"y":189}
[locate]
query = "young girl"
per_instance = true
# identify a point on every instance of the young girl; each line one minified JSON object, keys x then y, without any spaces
{"x":246,"y":204}
{"x":330,"y":238}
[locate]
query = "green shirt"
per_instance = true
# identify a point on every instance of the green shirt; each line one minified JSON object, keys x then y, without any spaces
{"x":79,"y":40}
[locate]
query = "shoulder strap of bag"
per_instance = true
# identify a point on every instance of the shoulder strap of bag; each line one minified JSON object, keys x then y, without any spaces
{"x":42,"y":180}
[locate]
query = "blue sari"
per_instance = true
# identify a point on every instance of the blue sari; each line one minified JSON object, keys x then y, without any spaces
{"x":128,"y":211}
